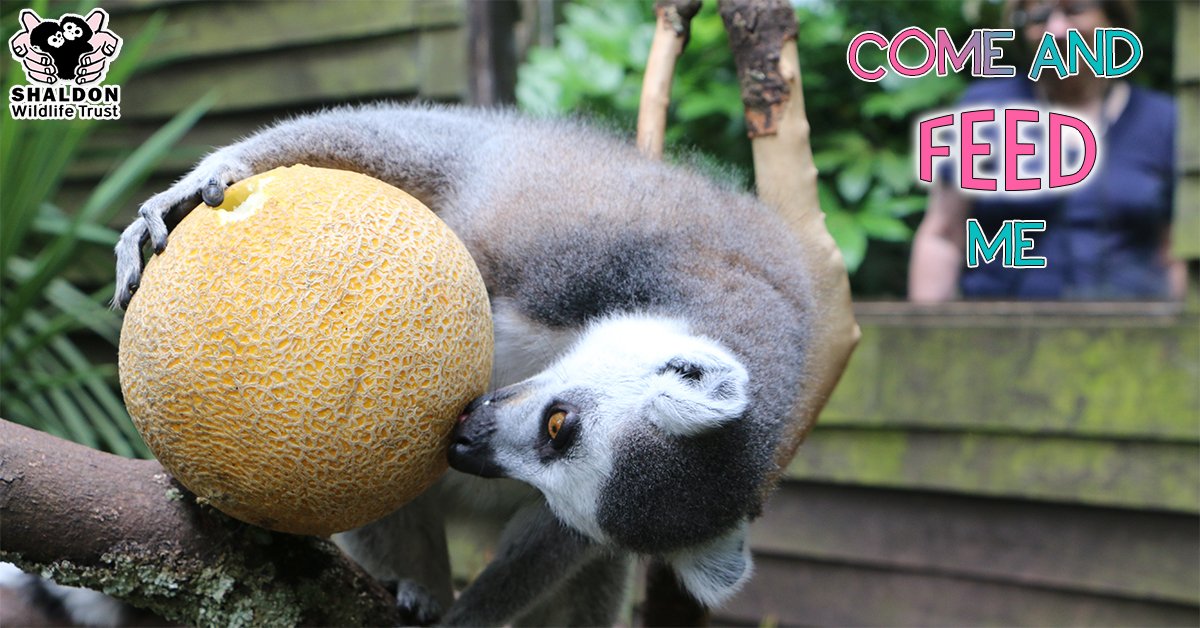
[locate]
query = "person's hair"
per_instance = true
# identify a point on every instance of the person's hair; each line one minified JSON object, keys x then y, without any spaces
{"x":1119,"y":13}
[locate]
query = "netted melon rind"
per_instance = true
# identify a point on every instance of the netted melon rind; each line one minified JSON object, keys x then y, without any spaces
{"x":302,"y":366}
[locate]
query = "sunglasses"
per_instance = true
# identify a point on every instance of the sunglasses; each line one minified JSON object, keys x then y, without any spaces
{"x":1041,"y":13}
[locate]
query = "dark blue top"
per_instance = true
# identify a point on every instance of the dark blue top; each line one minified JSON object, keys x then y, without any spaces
{"x":1103,"y":237}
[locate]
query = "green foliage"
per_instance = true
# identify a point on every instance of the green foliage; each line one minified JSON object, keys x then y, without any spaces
{"x":596,"y":70}
{"x":860,"y":130}
{"x":47,"y":379}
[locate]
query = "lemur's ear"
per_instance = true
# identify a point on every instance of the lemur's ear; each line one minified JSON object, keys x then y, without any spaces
{"x":698,"y":391}
{"x":716,"y":570}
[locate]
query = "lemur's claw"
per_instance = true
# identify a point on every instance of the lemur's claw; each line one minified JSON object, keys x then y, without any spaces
{"x":151,"y":217}
{"x":127,"y":296}
{"x":213,"y":193}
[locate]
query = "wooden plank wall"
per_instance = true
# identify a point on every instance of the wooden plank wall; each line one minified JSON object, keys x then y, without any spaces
{"x":995,"y":465}
{"x":270,"y":60}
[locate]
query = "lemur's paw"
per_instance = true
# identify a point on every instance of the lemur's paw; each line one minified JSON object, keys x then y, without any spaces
{"x":417,"y":607}
{"x":164,"y":210}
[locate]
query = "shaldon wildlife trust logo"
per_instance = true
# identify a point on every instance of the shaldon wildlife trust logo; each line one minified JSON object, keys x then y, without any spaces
{"x":65,"y":62}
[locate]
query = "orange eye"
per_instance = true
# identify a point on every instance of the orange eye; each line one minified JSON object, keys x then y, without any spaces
{"x":555,"y":423}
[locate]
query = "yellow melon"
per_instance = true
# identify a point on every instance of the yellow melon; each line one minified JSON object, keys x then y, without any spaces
{"x":298,"y":356}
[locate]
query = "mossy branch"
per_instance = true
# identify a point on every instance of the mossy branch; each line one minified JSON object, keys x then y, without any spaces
{"x":86,"y":518}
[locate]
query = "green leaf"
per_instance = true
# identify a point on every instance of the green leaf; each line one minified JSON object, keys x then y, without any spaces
{"x":831,"y":158}
{"x":905,"y":205}
{"x":854,"y":181}
{"x":884,"y":227}
{"x":103,"y":203}
{"x":849,"y":237}
{"x":46,"y":380}
{"x":829,"y":201}
{"x":895,"y":171}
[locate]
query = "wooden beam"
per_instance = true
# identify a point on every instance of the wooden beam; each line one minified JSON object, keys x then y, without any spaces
{"x":1127,"y":474}
{"x":1048,"y":376}
{"x":816,"y":593}
{"x":1117,"y":552}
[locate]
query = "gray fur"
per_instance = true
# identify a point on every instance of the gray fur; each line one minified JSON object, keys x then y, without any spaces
{"x":416,"y":561}
{"x":537,"y":554}
{"x":568,"y":226}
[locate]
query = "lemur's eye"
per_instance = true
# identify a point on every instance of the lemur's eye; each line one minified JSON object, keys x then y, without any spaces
{"x":555,"y":423}
{"x":561,"y":431}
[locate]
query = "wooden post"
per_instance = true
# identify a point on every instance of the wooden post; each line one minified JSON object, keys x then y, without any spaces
{"x":493,"y":52}
{"x":667,"y":603}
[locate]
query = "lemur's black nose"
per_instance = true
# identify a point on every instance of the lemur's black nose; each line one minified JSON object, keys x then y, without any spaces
{"x":471,"y":447}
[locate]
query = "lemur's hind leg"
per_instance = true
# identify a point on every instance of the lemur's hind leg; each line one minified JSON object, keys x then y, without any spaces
{"x":592,"y":597}
{"x":407,"y":549}
{"x":537,"y":555}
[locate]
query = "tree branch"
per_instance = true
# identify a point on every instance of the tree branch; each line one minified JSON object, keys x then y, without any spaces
{"x":670,"y":36}
{"x":86,"y":518}
{"x":762,"y":34}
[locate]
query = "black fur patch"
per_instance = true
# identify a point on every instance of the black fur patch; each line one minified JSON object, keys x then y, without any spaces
{"x":669,"y":493}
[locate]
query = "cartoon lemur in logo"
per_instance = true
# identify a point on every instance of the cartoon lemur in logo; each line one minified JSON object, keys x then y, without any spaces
{"x":71,"y":48}
{"x":64,"y":41}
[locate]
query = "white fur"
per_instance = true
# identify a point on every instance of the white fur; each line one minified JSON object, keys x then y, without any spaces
{"x":11,"y":575}
{"x":91,"y":608}
{"x":620,"y":365}
{"x":713,"y":572}
{"x":690,"y":408}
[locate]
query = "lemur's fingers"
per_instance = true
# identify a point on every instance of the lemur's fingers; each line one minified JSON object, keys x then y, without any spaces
{"x":213,"y":192}
{"x":129,"y":262}
{"x":212,"y":180}
{"x":154,"y":212}
{"x":158,"y":215}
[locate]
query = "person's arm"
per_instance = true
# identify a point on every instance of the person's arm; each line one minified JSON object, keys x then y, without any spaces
{"x":1176,"y":271}
{"x":937,"y":253}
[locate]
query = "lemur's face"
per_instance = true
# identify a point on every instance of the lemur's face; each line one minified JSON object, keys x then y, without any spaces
{"x":71,"y":31}
{"x":627,"y":381}
{"x":56,"y":40}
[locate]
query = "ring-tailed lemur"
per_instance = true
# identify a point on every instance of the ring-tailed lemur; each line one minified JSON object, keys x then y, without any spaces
{"x":650,"y":335}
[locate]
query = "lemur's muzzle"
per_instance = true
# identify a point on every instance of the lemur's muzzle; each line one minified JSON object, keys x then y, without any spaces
{"x":471,"y":443}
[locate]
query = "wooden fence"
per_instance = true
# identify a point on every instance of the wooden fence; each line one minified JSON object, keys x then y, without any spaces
{"x":995,"y":464}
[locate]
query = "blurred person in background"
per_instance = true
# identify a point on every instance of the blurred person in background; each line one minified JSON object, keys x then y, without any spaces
{"x":1106,"y":238}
